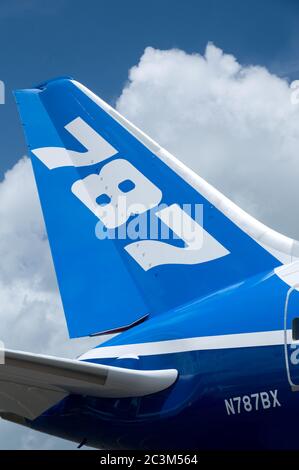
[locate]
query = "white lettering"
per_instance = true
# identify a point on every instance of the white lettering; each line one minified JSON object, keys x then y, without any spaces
{"x":116,"y":205}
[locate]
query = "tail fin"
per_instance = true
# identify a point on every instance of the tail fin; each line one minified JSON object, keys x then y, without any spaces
{"x":100,"y":182}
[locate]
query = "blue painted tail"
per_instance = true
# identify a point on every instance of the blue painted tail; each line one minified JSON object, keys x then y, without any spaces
{"x":130,"y":234}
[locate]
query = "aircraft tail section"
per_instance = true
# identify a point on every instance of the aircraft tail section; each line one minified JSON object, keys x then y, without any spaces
{"x":130,"y":232}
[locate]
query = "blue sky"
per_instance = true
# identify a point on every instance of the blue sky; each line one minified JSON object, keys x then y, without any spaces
{"x":97,"y":41}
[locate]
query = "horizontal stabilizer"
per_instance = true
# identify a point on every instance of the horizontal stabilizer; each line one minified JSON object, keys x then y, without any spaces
{"x":30,"y":384}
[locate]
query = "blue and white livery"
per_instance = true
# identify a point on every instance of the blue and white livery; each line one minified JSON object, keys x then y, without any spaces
{"x":202,"y":298}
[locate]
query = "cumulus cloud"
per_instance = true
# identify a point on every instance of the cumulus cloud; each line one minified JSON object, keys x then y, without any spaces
{"x":234,"y":125}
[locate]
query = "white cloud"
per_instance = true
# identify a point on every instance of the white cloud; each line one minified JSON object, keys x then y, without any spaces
{"x":15,"y":437}
{"x":234,"y":125}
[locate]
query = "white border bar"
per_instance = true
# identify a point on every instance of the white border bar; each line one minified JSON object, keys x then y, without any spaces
{"x":240,"y":340}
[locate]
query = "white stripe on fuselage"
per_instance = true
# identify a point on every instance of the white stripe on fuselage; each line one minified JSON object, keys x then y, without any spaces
{"x":201,"y":343}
